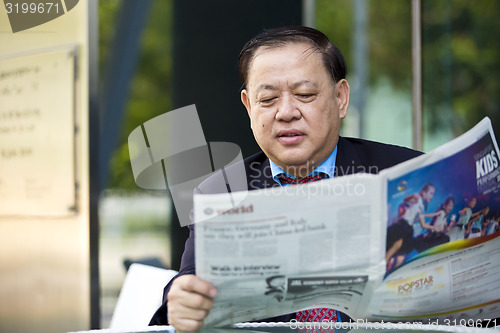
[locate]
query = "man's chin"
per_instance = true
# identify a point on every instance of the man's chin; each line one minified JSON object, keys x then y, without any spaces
{"x":297,"y":167}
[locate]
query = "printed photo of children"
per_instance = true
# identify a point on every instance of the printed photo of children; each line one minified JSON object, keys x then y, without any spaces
{"x":441,"y":204}
{"x":438,"y":234}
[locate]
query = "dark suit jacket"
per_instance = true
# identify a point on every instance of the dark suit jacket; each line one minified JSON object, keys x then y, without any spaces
{"x":353,"y":156}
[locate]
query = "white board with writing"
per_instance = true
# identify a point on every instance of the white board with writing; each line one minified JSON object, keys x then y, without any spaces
{"x":37,"y":134}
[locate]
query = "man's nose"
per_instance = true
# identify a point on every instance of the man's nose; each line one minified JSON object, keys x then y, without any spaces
{"x":288,"y":109}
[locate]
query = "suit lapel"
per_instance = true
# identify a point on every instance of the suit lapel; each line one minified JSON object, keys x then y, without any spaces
{"x":347,"y":161}
{"x":259,"y":174}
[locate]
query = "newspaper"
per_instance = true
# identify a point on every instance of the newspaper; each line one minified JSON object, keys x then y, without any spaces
{"x":386,"y":247}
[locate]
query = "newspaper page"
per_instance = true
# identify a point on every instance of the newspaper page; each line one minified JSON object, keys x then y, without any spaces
{"x":285,"y":249}
{"x":443,"y":235}
{"x":420,"y":241}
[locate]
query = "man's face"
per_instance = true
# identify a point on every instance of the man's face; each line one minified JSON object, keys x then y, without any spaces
{"x":294,"y":106}
{"x":429,"y":194}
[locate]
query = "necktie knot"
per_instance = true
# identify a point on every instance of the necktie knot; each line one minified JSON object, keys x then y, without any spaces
{"x":284,"y":179}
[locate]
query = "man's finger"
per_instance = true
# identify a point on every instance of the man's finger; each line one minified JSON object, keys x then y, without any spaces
{"x":190,"y":299}
{"x":185,"y":318}
{"x":192,"y":283}
{"x":186,"y":325}
{"x":184,"y":312}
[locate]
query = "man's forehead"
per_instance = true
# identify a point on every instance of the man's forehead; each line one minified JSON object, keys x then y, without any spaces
{"x":261,"y":67}
{"x":304,"y":50}
{"x":307,"y":46}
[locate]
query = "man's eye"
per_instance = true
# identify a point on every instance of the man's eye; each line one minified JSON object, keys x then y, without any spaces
{"x":267,"y":101}
{"x":305,"y":96}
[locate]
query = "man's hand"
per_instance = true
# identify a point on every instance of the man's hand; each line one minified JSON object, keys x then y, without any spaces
{"x":189,"y":300}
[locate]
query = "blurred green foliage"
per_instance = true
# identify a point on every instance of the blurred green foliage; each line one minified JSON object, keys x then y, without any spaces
{"x":334,"y":19}
{"x":461,"y":63}
{"x":460,"y":55}
{"x":150,"y":90}
{"x":388,"y":36}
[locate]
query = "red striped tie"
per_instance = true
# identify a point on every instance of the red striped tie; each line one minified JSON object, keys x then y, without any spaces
{"x":294,"y":181}
{"x":316,"y":314}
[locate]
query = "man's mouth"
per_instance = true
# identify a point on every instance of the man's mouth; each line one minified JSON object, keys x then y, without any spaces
{"x":290,"y":137}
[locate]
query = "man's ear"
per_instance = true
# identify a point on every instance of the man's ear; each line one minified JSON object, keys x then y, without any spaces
{"x":245,"y":99}
{"x":343,"y":92}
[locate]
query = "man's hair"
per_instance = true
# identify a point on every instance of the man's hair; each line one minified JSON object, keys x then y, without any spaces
{"x":427,"y":187}
{"x":273,"y":38}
